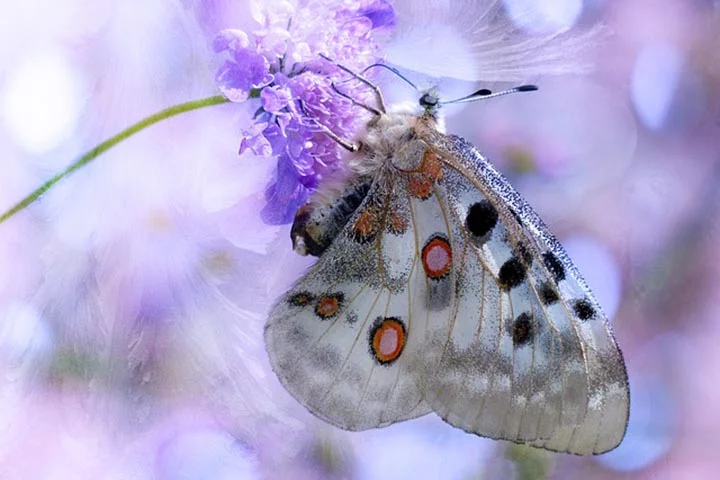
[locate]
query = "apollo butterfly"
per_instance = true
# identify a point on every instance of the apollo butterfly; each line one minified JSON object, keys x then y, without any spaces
{"x":439,"y":289}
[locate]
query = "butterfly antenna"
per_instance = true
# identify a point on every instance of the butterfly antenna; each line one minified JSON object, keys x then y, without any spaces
{"x":375,"y":88}
{"x":484,"y":93}
{"x":393,"y":70}
{"x":386,"y":67}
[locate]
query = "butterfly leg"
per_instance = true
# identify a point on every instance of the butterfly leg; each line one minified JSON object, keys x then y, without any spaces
{"x":375,"y":88}
{"x":346,"y":144}
{"x":355,"y":102}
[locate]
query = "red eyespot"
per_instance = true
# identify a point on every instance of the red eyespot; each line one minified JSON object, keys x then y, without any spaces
{"x":329,"y":305}
{"x":431,"y":165}
{"x":437,"y":257}
{"x":398,"y":223}
{"x":420,"y":186}
{"x":387,"y":339}
{"x":365,"y":226}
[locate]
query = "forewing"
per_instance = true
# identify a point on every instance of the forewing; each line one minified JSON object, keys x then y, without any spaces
{"x":344,"y":341}
{"x":529,"y":356}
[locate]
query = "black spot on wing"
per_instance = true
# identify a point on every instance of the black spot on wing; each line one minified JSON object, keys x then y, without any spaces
{"x":301,"y":299}
{"x":512,"y":273}
{"x":555,"y":266}
{"x":481,"y":218}
{"x":523,"y":330}
{"x":548,"y":294}
{"x":584,"y":309}
{"x":524,"y":254}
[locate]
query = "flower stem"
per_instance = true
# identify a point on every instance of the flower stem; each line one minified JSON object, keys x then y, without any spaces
{"x":111,"y":142}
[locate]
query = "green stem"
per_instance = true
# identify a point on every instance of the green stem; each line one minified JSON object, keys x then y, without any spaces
{"x":111,"y":142}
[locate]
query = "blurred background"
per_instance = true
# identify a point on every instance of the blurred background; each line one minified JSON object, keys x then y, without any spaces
{"x":133,"y":296}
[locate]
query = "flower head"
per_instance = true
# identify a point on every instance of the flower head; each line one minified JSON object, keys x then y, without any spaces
{"x":280,"y":64}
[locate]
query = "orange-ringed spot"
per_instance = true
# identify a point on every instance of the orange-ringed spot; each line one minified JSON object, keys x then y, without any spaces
{"x":364,"y":227}
{"x":329,"y":305}
{"x":301,"y":299}
{"x":431,"y":165}
{"x":437,"y":257}
{"x":387,"y":339}
{"x":398,"y":223}
{"x":420,"y":186}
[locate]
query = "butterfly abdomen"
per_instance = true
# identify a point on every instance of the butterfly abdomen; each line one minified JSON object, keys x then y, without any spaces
{"x":391,"y":139}
{"x":317,"y":224}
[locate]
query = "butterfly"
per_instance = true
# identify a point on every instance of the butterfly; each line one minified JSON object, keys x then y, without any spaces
{"x":439,"y":289}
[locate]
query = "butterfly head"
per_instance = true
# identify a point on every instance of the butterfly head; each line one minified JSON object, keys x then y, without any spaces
{"x":430,"y":102}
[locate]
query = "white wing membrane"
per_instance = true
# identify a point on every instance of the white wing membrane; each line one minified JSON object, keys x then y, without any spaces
{"x":557,"y":378}
{"x":327,"y":363}
{"x":445,"y":292}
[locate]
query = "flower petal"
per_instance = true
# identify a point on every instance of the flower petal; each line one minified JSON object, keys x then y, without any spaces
{"x":274,"y":99}
{"x":246,"y":71}
{"x":230,"y":39}
{"x":284,"y":196}
{"x":381,"y":13}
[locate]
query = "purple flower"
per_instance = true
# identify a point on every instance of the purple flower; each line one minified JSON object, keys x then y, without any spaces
{"x":286,"y":193}
{"x":275,"y":99}
{"x":280,"y":63}
{"x":230,"y":39}
{"x":247,"y":70}
{"x":380,"y":13}
{"x":255,"y":141}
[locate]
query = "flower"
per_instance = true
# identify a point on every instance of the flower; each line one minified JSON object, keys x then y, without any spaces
{"x":248,"y":70}
{"x":280,"y":65}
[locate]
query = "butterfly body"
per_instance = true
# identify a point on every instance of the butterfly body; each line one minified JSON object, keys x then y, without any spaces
{"x":443,"y":291}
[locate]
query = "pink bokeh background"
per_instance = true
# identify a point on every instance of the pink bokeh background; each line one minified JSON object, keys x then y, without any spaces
{"x":133,"y":295}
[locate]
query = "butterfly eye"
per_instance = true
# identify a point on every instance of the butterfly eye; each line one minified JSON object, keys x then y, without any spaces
{"x":428,"y":101}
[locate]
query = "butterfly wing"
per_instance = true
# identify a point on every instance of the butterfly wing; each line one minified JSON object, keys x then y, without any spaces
{"x":347,"y":340}
{"x":445,"y":292}
{"x":529,"y":356}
